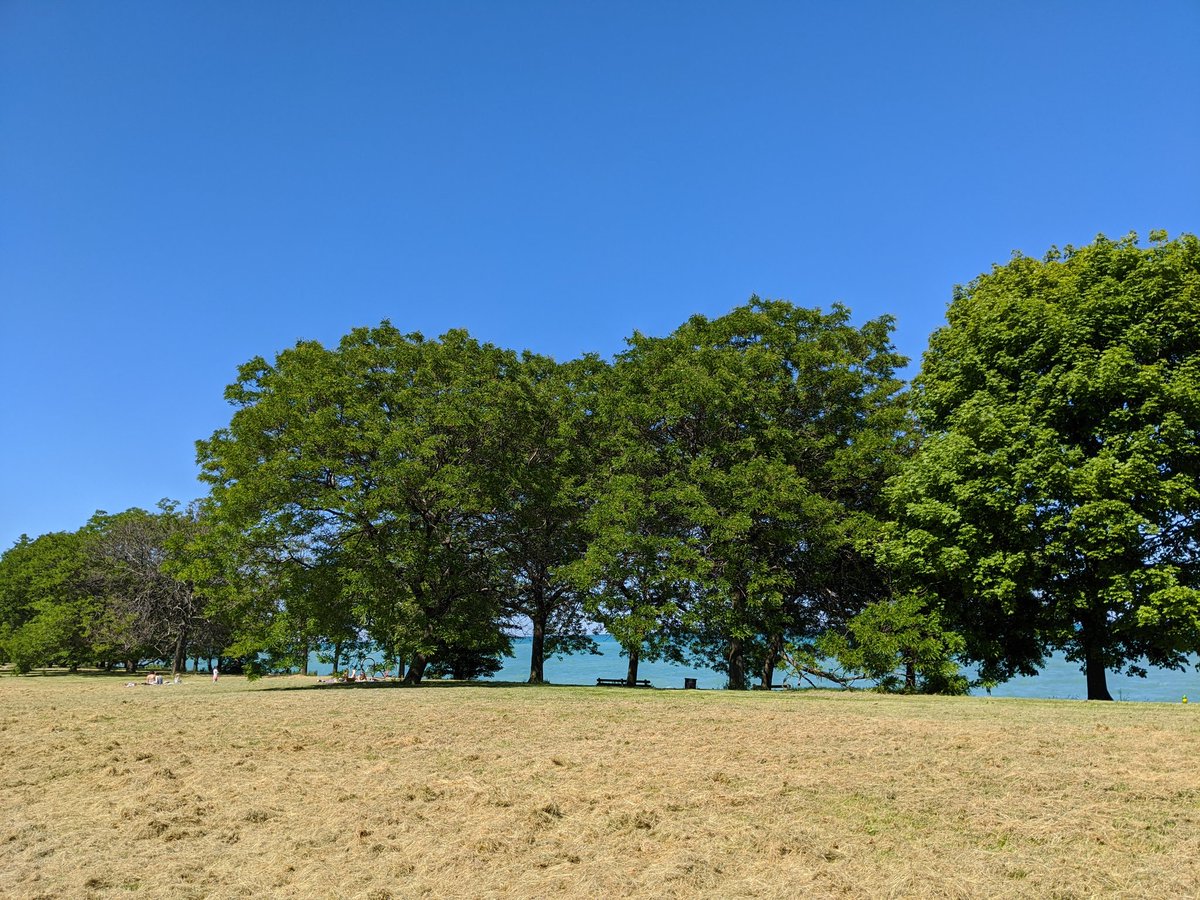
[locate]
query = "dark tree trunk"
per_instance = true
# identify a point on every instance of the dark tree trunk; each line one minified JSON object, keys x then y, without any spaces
{"x":416,"y":669}
{"x":304,"y":664}
{"x":737,"y":665}
{"x":337,"y":656}
{"x":131,"y":666}
{"x":1091,"y":636}
{"x":770,"y":660}
{"x":537,"y":659}
{"x":195,"y":664}
{"x":179,"y":662}
{"x":737,"y":647}
{"x":1097,"y":678}
{"x":631,"y":672}
{"x":910,"y":676}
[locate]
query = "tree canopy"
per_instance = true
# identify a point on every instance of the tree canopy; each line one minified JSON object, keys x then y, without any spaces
{"x":743,"y":461}
{"x":1055,"y":500}
{"x":752,"y":490}
{"x":105,"y":593}
{"x":389,"y":453}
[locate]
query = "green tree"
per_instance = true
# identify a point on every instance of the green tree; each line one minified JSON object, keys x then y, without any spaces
{"x":47,"y":605}
{"x":1055,"y":501}
{"x":103,"y":593}
{"x":148,"y":605}
{"x":743,"y":460}
{"x":319,"y":611}
{"x":639,"y":568}
{"x":898,"y":643}
{"x":391,"y":453}
{"x":541,"y":527}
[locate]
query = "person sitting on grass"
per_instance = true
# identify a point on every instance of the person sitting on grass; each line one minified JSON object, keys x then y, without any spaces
{"x":152,"y":678}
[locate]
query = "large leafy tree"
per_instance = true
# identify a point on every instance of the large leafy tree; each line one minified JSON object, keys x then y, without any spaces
{"x":47,"y":605}
{"x":147,"y":607}
{"x":388,"y":453}
{"x":1055,"y":502}
{"x":106,"y":592}
{"x":541,"y":526}
{"x":746,"y":453}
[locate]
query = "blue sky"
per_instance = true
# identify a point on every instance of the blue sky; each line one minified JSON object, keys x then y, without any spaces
{"x":186,"y":185}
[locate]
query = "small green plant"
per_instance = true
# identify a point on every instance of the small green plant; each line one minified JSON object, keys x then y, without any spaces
{"x":901,"y":646}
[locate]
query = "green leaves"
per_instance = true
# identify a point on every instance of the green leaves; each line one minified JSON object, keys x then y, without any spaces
{"x":387,"y":457}
{"x":110,"y":591}
{"x":742,"y":458}
{"x":901,"y":645}
{"x":1054,"y":500}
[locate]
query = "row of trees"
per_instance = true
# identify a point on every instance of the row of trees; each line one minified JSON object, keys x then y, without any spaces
{"x":105,"y":595}
{"x":747,"y":492}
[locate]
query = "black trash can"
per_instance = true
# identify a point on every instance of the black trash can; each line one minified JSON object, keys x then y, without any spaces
{"x":689,"y":684}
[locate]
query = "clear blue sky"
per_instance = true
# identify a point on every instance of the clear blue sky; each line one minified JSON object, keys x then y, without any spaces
{"x":186,"y":185}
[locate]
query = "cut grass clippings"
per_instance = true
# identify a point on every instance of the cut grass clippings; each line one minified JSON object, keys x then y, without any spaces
{"x":282,"y":789}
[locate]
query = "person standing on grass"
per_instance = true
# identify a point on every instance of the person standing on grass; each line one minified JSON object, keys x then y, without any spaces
{"x":216,"y":674}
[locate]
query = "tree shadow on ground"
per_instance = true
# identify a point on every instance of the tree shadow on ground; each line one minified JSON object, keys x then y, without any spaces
{"x":115,"y":674}
{"x":433,"y":684}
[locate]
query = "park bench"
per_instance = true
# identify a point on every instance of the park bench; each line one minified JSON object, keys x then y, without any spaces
{"x":621,"y":682}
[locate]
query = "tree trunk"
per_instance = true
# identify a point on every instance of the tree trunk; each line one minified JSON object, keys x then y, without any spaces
{"x":1097,"y":678}
{"x":337,"y":656}
{"x":416,"y":669}
{"x":737,"y":664}
{"x":737,"y":647}
{"x":631,"y":672}
{"x":1093,"y":655}
{"x":131,"y":666}
{"x":179,"y":662}
{"x":537,"y":658}
{"x":910,"y":676}
{"x":304,"y":664}
{"x":770,"y":660}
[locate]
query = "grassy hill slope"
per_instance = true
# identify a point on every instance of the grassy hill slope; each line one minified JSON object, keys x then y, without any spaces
{"x":282,"y":789}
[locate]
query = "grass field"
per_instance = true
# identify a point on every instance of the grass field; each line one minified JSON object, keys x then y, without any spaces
{"x":282,"y":789}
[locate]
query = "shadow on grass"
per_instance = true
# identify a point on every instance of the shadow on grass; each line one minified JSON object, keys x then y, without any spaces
{"x":432,"y":684}
{"x":118,"y":675}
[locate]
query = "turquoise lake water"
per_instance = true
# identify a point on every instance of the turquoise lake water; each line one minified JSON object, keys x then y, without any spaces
{"x":1059,"y":679}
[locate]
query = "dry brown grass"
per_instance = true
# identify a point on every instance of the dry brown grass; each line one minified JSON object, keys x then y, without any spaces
{"x":268,"y":789}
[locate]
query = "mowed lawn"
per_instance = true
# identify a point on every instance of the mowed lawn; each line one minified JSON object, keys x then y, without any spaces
{"x":279,"y":788}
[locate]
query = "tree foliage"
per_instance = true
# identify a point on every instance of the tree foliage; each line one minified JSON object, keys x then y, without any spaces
{"x":743,"y":457}
{"x":1055,"y":502}
{"x":45,"y":601}
{"x":748,"y":489}
{"x":106,"y":592}
{"x":388,"y":453}
{"x":900,"y":644}
{"x":541,"y":529}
